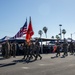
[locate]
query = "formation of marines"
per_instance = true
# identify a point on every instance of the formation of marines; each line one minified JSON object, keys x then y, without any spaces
{"x":31,"y":50}
{"x":65,"y":47}
{"x":8,"y":49}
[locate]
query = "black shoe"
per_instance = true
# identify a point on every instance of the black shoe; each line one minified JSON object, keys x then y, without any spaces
{"x":35,"y":59}
{"x":63,"y":56}
{"x":56,"y":55}
{"x":40,"y":58}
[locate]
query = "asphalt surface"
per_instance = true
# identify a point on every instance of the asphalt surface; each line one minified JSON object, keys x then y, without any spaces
{"x":49,"y":65}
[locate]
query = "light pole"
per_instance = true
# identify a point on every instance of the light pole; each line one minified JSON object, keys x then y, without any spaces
{"x":60,"y":31}
{"x":40,"y":33}
{"x":72,"y":34}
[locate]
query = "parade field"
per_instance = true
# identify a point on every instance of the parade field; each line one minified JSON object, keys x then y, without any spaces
{"x":37,"y":37}
{"x":49,"y":65}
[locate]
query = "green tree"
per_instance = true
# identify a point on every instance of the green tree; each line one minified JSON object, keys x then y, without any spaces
{"x":45,"y":30}
{"x":52,"y":37}
{"x":63,"y":32}
{"x":57,"y":37}
{"x":40,"y":33}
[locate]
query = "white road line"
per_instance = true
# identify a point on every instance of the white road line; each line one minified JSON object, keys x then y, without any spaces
{"x":25,"y":67}
{"x":71,"y":65}
{"x":42,"y":64}
{"x":46,"y":64}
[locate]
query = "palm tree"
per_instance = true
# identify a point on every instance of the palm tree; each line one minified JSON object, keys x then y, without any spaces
{"x":52,"y":37}
{"x":40,"y":33}
{"x":45,"y":31}
{"x":63,"y":32}
{"x":57,"y":37}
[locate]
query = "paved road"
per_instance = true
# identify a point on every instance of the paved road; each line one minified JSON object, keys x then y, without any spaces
{"x":46,"y":66}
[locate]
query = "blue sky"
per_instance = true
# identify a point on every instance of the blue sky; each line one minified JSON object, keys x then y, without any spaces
{"x":49,"y":13}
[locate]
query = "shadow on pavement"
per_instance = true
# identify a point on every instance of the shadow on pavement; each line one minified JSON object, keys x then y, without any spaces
{"x":5,"y":65}
{"x":23,"y":60}
{"x":53,"y":57}
{"x":63,"y":57}
{"x":14,"y":62}
{"x":18,"y":61}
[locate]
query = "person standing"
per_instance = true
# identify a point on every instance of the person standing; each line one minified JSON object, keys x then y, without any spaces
{"x":3,"y":49}
{"x":37,"y":45}
{"x":14,"y":48}
{"x":25,"y":50}
{"x":71,"y":48}
{"x":7,"y":49}
{"x":65,"y":48}
{"x":32,"y":51}
{"x":58,"y":48}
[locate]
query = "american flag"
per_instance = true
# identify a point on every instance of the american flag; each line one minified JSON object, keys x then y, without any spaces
{"x":17,"y":35}
{"x":22,"y":31}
